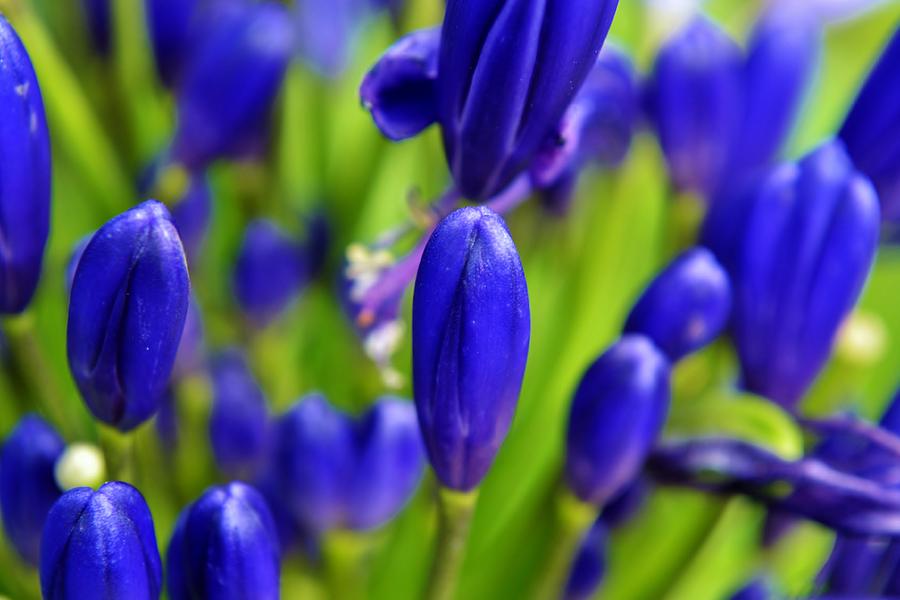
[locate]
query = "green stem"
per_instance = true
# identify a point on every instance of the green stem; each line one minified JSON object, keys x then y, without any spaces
{"x":346,"y":570}
{"x":118,"y":451}
{"x":455,"y":512}
{"x":572,"y":518}
{"x":686,"y":212}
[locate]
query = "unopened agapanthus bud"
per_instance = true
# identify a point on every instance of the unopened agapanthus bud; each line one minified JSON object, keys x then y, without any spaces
{"x":589,"y":565}
{"x":27,"y":486}
{"x":507,"y":73}
{"x":127,"y":311}
{"x":471,"y":329}
{"x":172,"y":26}
{"x":25,"y":184}
{"x":224,"y":546}
{"x":874,"y":118}
{"x":239,"y":423}
{"x":695,"y":103}
{"x":100,"y":544}
{"x":325,"y":32}
{"x":617,"y":414}
{"x":246,"y":51}
{"x":685,"y":307}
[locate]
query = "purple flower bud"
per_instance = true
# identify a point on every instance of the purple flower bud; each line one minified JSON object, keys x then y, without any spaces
{"x":325,"y":32}
{"x":224,"y":546}
{"x":695,"y":102}
{"x":507,"y":73}
{"x":100,"y":544}
{"x":853,"y":566}
{"x":127,"y":311}
{"x":172,"y":26}
{"x":685,"y":307}
{"x":27,"y":483}
{"x":98,"y":18}
{"x":757,"y":589}
{"x":25,"y":183}
{"x":589,"y":566}
{"x":804,"y":244}
{"x":191,"y":216}
{"x":191,"y":355}
{"x":617,"y":413}
{"x":243,"y":58}
{"x":626,"y":504}
{"x":872,"y":129}
{"x":470,"y":329}
{"x":239,"y":423}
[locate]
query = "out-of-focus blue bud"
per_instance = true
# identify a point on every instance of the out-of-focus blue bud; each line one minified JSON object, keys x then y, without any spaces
{"x":270,"y":271}
{"x":25,"y":184}
{"x":242,"y":58}
{"x":507,"y":73}
{"x":695,"y":100}
{"x":225,"y":546}
{"x":98,"y":17}
{"x":127,"y":310}
{"x":191,"y":355}
{"x":617,"y":413}
{"x":871,"y":131}
{"x":801,"y":247}
{"x":100,"y":544}
{"x":172,"y":26}
{"x":239,"y":423}
{"x":27,"y":484}
{"x":757,"y":589}
{"x":625,"y":505}
{"x":191,"y":216}
{"x":852,"y":568}
{"x":685,"y":307}
{"x":400,"y":90}
{"x":471,"y":329}
{"x":589,"y":565}
{"x":325,"y":32}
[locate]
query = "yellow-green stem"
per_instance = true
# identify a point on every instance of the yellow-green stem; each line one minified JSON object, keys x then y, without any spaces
{"x":455,"y":510}
{"x":346,"y":555}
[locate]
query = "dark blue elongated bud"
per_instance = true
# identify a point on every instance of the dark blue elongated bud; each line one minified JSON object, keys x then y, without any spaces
{"x":172,"y":26}
{"x":803,"y":246}
{"x":507,"y":72}
{"x":872,"y":129}
{"x":28,"y":487}
{"x":100,"y":544}
{"x":617,"y":413}
{"x":471,"y":329}
{"x":224,"y":546}
{"x":243,"y":57}
{"x":25,"y":183}
{"x":589,"y":565}
{"x":695,"y":103}
{"x":685,"y":307}
{"x":99,"y":23}
{"x":239,"y":423}
{"x":127,"y":310}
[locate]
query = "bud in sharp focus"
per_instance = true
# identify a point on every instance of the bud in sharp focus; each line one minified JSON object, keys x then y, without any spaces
{"x":685,"y":307}
{"x":247,"y":51}
{"x":507,"y":72}
{"x":127,"y":311}
{"x":617,"y":413}
{"x":25,"y":182}
{"x":27,"y":485}
{"x":872,"y":129}
{"x":225,"y":546}
{"x":100,"y":544}
{"x":471,"y":328}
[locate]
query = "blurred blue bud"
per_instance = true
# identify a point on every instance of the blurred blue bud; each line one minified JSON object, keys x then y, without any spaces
{"x":191,"y":355}
{"x":172,"y":26}
{"x":695,"y":102}
{"x":28,"y":486}
{"x":617,"y":414}
{"x":471,"y":328}
{"x":100,"y":544}
{"x":507,"y":73}
{"x":225,"y":546}
{"x":626,"y":503}
{"x":400,"y":90}
{"x":243,"y":57}
{"x":852,"y":567}
{"x":325,"y":32}
{"x":127,"y":311}
{"x":757,"y":589}
{"x":871,"y":131}
{"x":25,"y":187}
{"x":98,"y":17}
{"x":191,"y":216}
{"x":239,"y":423}
{"x":589,"y":565}
{"x":685,"y":307}
{"x":799,"y":252}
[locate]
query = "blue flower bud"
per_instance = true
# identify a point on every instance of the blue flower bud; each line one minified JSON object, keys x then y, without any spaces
{"x":626,"y":504}
{"x":25,"y":186}
{"x":507,"y":73}
{"x":617,"y":413}
{"x":98,"y":17}
{"x":242,"y":58}
{"x":685,"y":307}
{"x":872,"y":129}
{"x":191,"y":355}
{"x":100,"y":544}
{"x":804,"y":243}
{"x":224,"y":546}
{"x":470,"y":329}
{"x":239,"y":423}
{"x":270,"y":271}
{"x":695,"y":103}
{"x":589,"y":565}
{"x":27,"y":483}
{"x":325,"y":33}
{"x":757,"y":589}
{"x":191,"y":216}
{"x":172,"y":26}
{"x":127,"y":311}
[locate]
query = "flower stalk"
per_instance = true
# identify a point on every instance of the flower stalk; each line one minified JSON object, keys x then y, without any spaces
{"x":455,"y":511}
